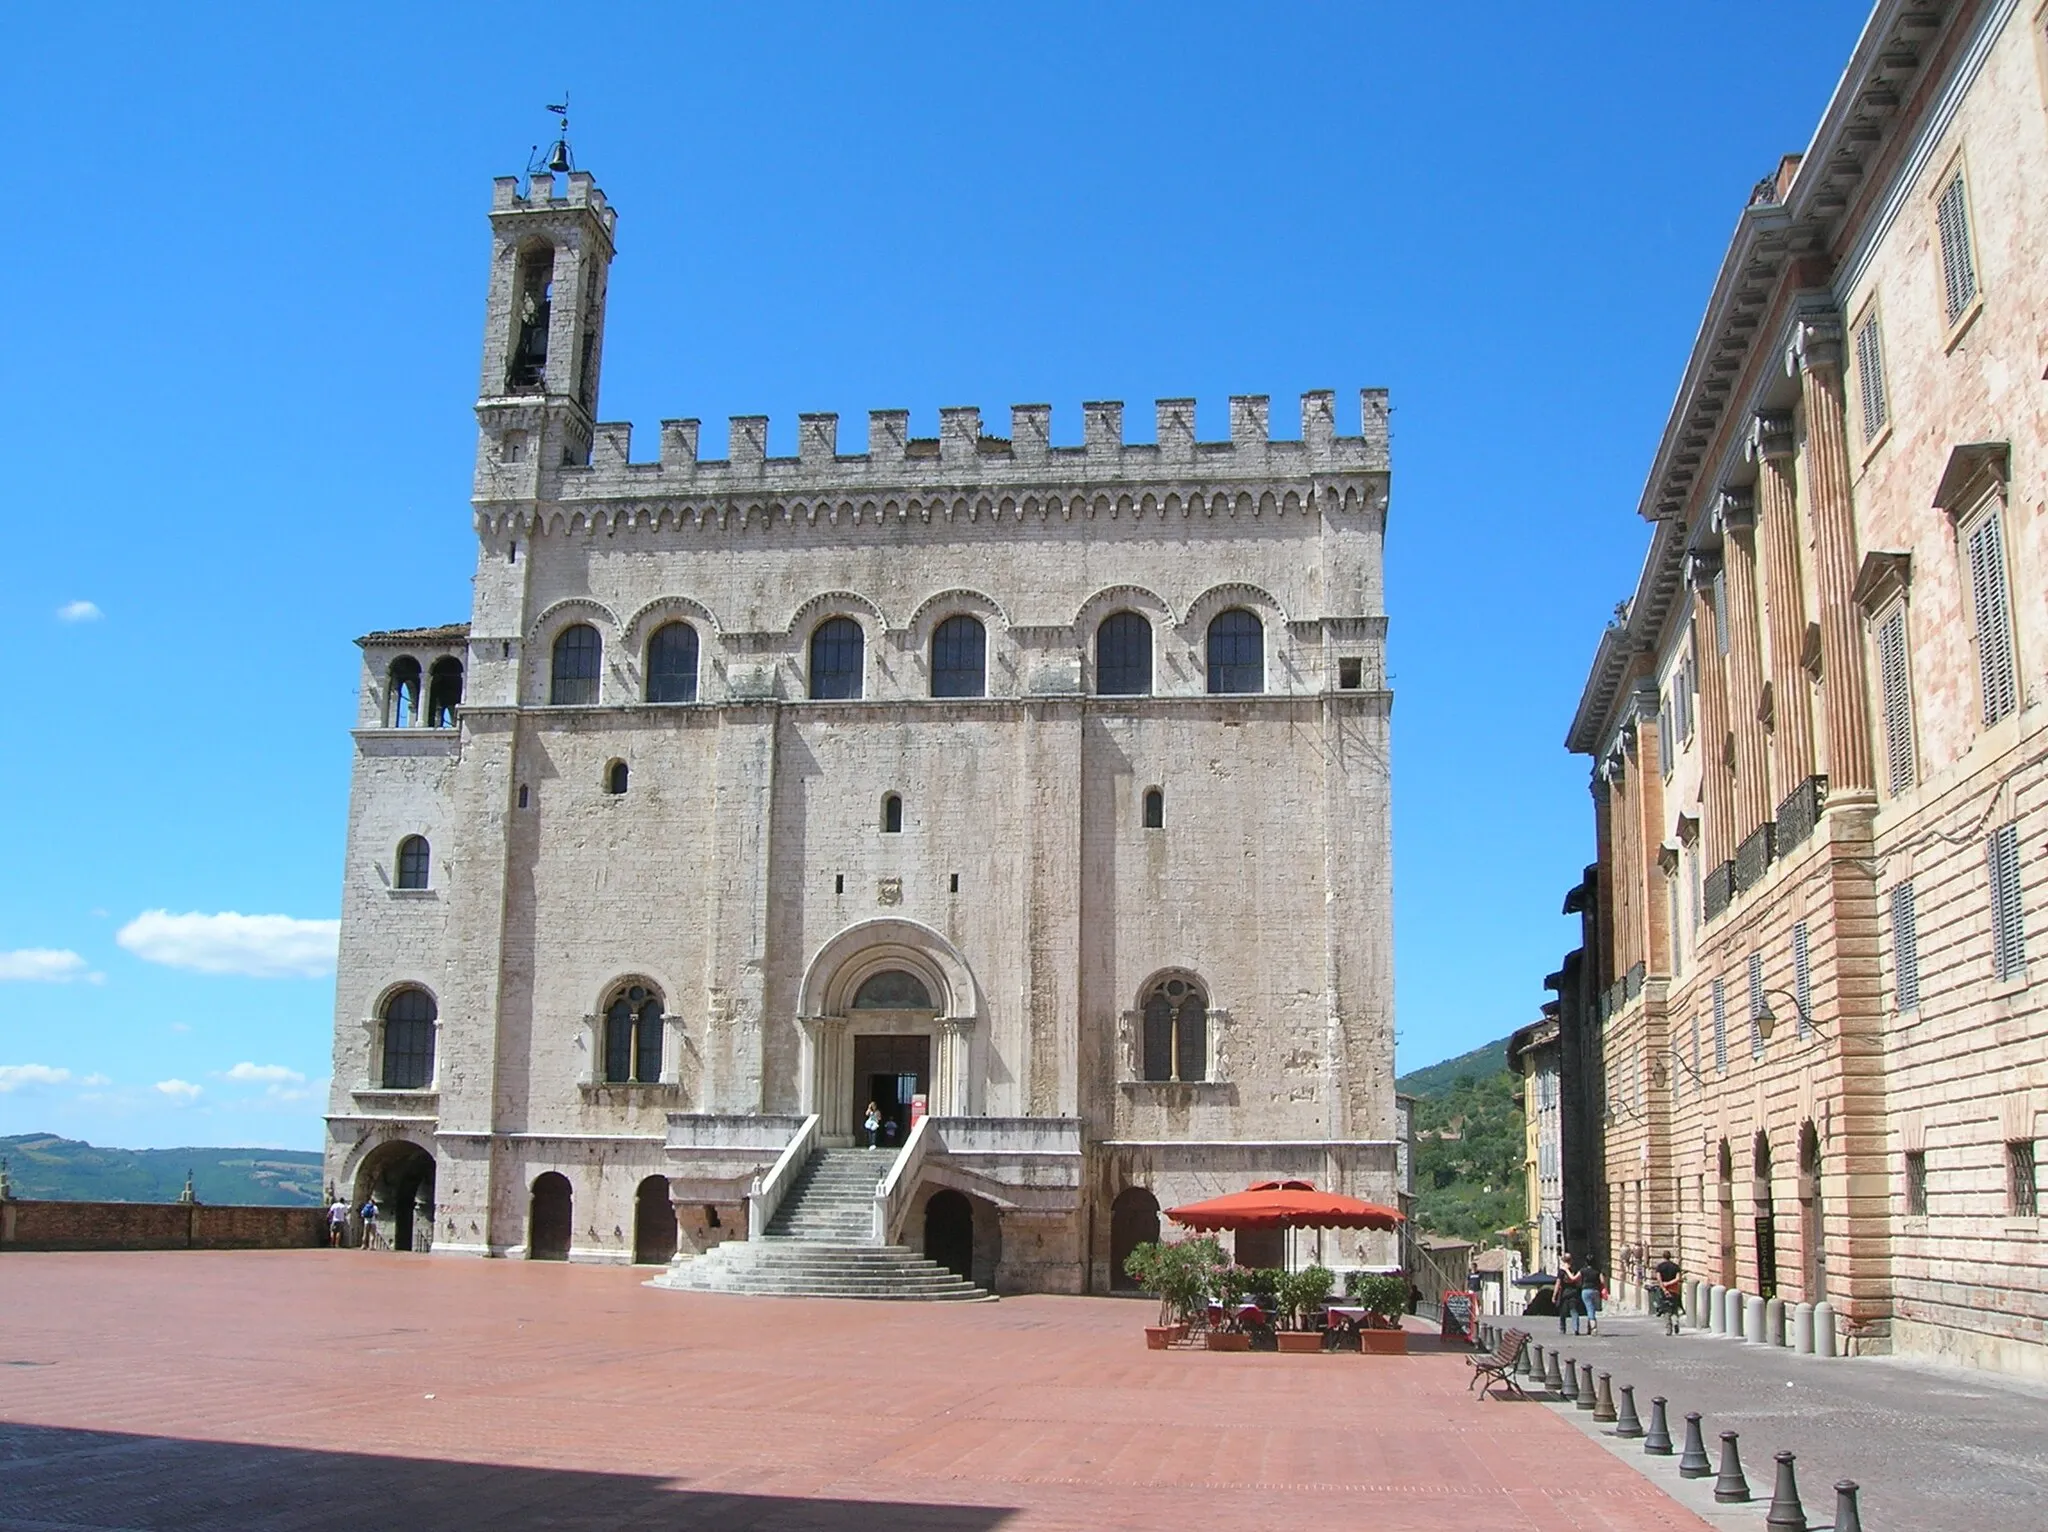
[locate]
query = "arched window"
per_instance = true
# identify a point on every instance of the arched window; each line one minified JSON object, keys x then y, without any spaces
{"x":578,"y":654}
{"x":413,"y":860}
{"x":402,"y":695}
{"x":444,"y":692}
{"x":892,"y":814}
{"x":892,"y":990}
{"x":1237,"y":652}
{"x":837,"y":650}
{"x":616,"y":777}
{"x":632,"y":1037}
{"x":1123,"y":656}
{"x":960,"y":658}
{"x":1176,"y":1041}
{"x":672,"y":664}
{"x":408,"y":1040}
{"x":1155,"y":809}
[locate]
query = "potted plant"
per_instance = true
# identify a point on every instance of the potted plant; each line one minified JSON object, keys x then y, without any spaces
{"x":1385,"y":1300}
{"x":1178,"y":1275}
{"x":1302,"y":1295}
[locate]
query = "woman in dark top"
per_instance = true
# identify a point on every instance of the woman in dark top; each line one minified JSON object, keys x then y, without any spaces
{"x":1566,"y":1294}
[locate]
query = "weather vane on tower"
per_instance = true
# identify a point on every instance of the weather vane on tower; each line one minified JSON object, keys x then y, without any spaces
{"x":558,"y":160}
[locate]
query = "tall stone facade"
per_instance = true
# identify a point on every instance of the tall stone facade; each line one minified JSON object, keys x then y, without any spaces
{"x":1819,"y":727}
{"x":1038,"y":790}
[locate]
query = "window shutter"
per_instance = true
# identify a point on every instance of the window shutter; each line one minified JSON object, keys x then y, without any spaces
{"x":1898,"y":700}
{"x":1994,"y":620}
{"x":1802,"y":973}
{"x":1870,"y":378}
{"x":1905,"y":949}
{"x":1756,"y":1005}
{"x":1720,"y":1027}
{"x":1959,"y":272}
{"x":2008,"y":925}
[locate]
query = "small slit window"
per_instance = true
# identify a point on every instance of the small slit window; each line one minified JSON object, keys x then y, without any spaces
{"x":1155,"y":809}
{"x":577,"y":656}
{"x":616,"y":778}
{"x":892,"y":814}
{"x":413,"y":861}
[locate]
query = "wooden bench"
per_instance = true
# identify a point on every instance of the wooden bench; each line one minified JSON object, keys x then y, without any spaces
{"x":1498,"y":1366}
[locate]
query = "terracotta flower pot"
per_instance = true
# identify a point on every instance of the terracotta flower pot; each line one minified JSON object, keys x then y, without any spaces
{"x":1301,"y":1342}
{"x":1383,"y":1342}
{"x":1229,"y":1340}
{"x":1159,"y":1337}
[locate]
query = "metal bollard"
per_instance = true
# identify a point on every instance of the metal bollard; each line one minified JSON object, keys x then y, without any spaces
{"x":1625,"y":1421}
{"x":1587,"y":1400}
{"x":1522,"y":1362}
{"x":1571,"y":1378}
{"x":1786,"y":1513}
{"x":1693,"y":1462}
{"x":1603,"y":1400}
{"x":1730,"y":1488}
{"x":1553,"y":1380}
{"x":1658,"y":1441}
{"x":1846,"y":1517}
{"x":1535,"y":1349}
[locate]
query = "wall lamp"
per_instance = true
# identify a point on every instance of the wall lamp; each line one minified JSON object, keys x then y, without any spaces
{"x":1766,"y":1021}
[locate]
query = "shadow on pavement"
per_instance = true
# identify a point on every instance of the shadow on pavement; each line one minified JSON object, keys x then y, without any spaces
{"x":85,"y":1480}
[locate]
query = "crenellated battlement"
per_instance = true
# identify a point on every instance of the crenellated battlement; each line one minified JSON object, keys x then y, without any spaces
{"x":578,"y":189}
{"x":961,"y":455}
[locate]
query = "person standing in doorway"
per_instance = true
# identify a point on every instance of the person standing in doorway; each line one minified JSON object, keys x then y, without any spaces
{"x":872,"y":1124}
{"x":337,"y":1223}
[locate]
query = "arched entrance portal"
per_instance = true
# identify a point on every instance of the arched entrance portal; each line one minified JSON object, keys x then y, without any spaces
{"x":549,"y":1218}
{"x":1133,"y":1221}
{"x":654,"y":1223}
{"x":1766,"y":1220}
{"x":949,"y":1233}
{"x":399,"y":1176}
{"x":1812,"y":1232}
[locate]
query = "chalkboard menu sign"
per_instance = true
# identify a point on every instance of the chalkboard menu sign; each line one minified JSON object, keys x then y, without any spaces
{"x":1461,"y":1316}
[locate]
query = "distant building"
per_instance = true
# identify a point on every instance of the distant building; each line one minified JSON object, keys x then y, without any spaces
{"x":1819,"y":729}
{"x":1533,"y":1053}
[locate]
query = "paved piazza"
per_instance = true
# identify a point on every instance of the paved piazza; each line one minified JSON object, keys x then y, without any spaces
{"x":335,"y":1389}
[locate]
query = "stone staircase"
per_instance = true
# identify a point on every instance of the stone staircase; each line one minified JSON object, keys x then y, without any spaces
{"x":820,"y":1245}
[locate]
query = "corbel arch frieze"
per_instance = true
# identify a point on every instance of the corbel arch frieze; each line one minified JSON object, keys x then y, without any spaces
{"x":838,"y":603}
{"x":661,"y":610}
{"x":937,"y":607}
{"x":1115,"y":598}
{"x":1221,"y":598}
{"x":558,"y":615}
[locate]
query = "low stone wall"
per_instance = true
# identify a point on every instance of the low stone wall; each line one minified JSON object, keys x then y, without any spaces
{"x":157,"y":1226}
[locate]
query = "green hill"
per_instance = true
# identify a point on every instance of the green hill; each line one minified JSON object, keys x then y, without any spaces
{"x":1469,"y":1143}
{"x":44,"y":1166}
{"x":1489,"y":1059}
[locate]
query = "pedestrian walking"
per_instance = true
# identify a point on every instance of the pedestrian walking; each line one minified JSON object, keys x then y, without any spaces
{"x":872,"y":1124}
{"x":371,"y":1238}
{"x":337,"y":1223}
{"x":1565,"y":1294}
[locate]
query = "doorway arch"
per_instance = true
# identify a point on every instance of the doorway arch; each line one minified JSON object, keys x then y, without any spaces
{"x":400,"y":1177}
{"x":550,"y":1216}
{"x":949,"y":1233}
{"x":1133,"y":1221}
{"x":1813,"y":1264}
{"x":654,"y":1223}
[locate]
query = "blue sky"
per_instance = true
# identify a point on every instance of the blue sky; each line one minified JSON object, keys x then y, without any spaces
{"x":241,"y":346}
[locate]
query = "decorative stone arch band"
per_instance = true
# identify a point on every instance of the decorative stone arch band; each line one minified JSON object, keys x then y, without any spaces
{"x":825,"y":1011}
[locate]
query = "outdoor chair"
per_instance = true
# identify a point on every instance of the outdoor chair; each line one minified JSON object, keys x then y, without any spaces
{"x":1498,"y":1365}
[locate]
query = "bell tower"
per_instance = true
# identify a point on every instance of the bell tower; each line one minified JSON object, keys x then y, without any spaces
{"x":551,"y":256}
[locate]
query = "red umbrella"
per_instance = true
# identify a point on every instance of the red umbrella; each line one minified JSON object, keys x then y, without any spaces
{"x":1283,"y":1205}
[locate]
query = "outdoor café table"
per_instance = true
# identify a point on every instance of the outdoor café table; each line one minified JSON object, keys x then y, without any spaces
{"x":1216,"y":1316}
{"x":1249,"y":1316}
{"x":1343,"y":1317}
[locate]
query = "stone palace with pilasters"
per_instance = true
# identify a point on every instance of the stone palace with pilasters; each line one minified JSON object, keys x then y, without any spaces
{"x":1036,"y":794}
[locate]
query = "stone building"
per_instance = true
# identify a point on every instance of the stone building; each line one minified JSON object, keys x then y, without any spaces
{"x":1818,"y":726}
{"x":1035,"y":794}
{"x":1533,"y":1054}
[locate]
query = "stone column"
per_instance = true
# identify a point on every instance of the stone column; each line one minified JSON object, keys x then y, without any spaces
{"x":1816,"y":357}
{"x":953,"y":1083}
{"x":1771,"y":446}
{"x":820,"y":1075}
{"x":1745,"y":664}
{"x":1715,"y":787}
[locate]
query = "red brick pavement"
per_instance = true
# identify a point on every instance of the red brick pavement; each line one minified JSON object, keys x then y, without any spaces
{"x":329,"y":1389}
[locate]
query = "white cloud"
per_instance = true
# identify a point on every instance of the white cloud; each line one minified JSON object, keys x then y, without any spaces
{"x":257,"y":946}
{"x":46,"y":965}
{"x":79,"y":611}
{"x":179,"y":1090}
{"x":267,"y":1074}
{"x":97,"y":1079}
{"x":14,"y":1076}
